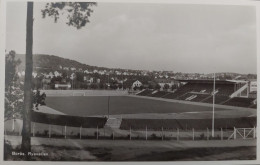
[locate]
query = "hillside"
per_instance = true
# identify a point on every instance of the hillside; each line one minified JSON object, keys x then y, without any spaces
{"x":54,"y":62}
{"x":47,"y":63}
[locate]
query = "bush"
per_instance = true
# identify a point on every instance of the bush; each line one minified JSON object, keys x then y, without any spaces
{"x":154,"y":136}
{"x":202,"y":136}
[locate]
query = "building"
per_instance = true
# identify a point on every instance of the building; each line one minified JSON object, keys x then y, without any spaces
{"x":62,"y":86}
{"x":137,"y":83}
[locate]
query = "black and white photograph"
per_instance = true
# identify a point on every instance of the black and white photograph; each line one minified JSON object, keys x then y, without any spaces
{"x":130,"y":81}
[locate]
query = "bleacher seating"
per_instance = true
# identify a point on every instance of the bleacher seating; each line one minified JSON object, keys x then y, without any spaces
{"x":159,"y":94}
{"x":181,"y":91}
{"x":225,"y":89}
{"x":202,"y":92}
{"x":218,"y":99}
{"x":146,"y":92}
{"x":240,"y":102}
{"x":200,"y":97}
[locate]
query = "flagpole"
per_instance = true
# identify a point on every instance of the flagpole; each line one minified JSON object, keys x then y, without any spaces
{"x":213,"y":111}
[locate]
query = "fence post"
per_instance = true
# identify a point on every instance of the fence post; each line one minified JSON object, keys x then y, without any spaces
{"x":244,"y":134}
{"x":130,"y":133}
{"x":192,"y":133}
{"x":13,"y":125}
{"x":33,"y":129}
{"x":146,"y":133}
{"x":235,"y":133}
{"x":80,"y":129}
{"x":178,"y":134}
{"x":113,"y":135}
{"x":97,"y":132}
{"x":65,"y":132}
{"x":207,"y":134}
{"x":221,"y":134}
{"x":162,"y":133}
{"x":254,"y":133}
{"x":49,"y":131}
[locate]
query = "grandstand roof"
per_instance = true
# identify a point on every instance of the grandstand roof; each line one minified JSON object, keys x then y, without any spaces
{"x":217,"y":81}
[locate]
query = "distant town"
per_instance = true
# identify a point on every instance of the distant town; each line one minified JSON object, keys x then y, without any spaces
{"x":53,"y":72}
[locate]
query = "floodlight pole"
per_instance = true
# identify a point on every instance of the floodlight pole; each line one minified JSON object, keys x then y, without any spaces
{"x":213,"y":113}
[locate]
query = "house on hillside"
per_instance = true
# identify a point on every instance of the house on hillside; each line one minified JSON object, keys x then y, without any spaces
{"x":50,"y":75}
{"x":72,"y":76}
{"x":66,"y":68}
{"x":62,"y":86}
{"x":86,"y":71}
{"x":137,"y":83}
{"x":88,"y":79}
{"x":163,"y":81}
{"x":56,"y":74}
{"x":72,"y":69}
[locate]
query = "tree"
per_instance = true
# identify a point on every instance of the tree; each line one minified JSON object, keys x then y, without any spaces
{"x":77,"y":15}
{"x":157,"y":87}
{"x":13,"y":92}
{"x":166,"y":86}
{"x":10,"y":69}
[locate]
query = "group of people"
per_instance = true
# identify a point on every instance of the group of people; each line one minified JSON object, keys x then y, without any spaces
{"x":39,"y":99}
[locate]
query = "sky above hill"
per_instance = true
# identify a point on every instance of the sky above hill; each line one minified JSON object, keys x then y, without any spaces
{"x":173,"y":37}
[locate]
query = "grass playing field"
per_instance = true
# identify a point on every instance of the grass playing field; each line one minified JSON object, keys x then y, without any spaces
{"x":98,"y":105}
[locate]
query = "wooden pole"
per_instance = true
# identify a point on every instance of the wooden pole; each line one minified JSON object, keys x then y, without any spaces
{"x":130,"y":133}
{"x":33,"y":128}
{"x":244,"y":137}
{"x":13,"y":125}
{"x":65,"y":132}
{"x":178,"y":134}
{"x":146,"y":133}
{"x":80,"y":129}
{"x":207,"y":134}
{"x":27,"y":109}
{"x":235,"y":133}
{"x":254,"y":133}
{"x":221,"y":134}
{"x":162,"y":133}
{"x":192,"y":133}
{"x":97,"y":132}
{"x":113,"y":135}
{"x":49,"y":131}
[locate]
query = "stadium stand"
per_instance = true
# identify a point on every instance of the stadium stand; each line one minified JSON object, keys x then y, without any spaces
{"x":218,"y":99}
{"x":73,"y":121}
{"x":240,"y":102}
{"x":160,"y":94}
{"x":146,"y":92}
{"x":201,"y":91}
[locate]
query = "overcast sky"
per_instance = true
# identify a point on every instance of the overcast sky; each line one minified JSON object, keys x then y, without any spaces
{"x":174,"y":37}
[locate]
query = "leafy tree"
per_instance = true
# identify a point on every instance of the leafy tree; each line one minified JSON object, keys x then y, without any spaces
{"x":93,"y":86}
{"x":166,"y":86}
{"x":150,"y":86}
{"x":13,"y":92}
{"x":157,"y":87}
{"x":79,"y":77}
{"x":10,"y":69}
{"x":77,"y":14}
